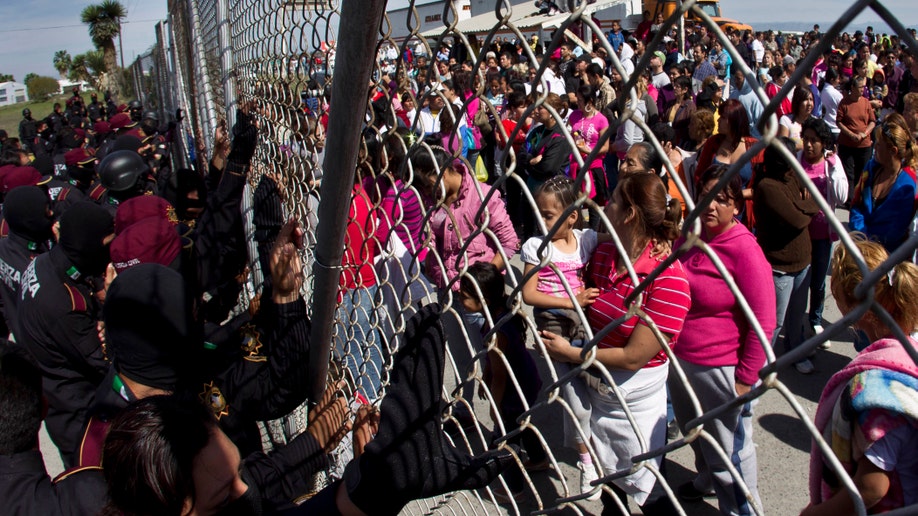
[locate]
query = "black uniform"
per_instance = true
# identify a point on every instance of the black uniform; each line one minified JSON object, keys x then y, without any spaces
{"x":56,"y":120}
{"x":263,"y":378}
{"x":65,"y":193}
{"x":96,"y":111}
{"x":58,"y":318}
{"x":26,"y":489}
{"x":28,"y":130}
{"x":16,"y":253}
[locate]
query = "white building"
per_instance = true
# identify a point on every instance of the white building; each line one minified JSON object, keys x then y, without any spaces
{"x":429,"y":15}
{"x":13,"y":93}
{"x":67,"y":85}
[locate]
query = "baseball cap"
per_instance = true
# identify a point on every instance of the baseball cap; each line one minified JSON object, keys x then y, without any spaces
{"x":789,"y":60}
{"x":23,"y":176}
{"x":151,"y":240}
{"x":661,"y":55}
{"x":142,"y":207}
{"x":78,"y":156}
{"x":120,"y":121}
{"x":102,"y":127}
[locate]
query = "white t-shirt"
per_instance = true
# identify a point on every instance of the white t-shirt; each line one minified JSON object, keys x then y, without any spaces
{"x":830,"y":98}
{"x":570,"y":265}
{"x":759,"y":50}
{"x":659,"y":80}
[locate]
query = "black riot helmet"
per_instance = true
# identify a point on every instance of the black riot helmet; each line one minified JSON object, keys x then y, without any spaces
{"x":136,"y":110}
{"x":27,"y":112}
{"x":150,"y":123}
{"x":124,"y":173}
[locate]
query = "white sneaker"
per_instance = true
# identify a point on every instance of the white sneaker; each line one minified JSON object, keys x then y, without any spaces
{"x":817,"y":329}
{"x":805,"y":366}
{"x":587,"y":475}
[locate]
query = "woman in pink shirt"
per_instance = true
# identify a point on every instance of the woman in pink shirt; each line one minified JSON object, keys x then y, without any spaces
{"x":719,"y":349}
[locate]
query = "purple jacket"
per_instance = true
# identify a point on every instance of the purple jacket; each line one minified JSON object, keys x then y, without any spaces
{"x":452,"y":226}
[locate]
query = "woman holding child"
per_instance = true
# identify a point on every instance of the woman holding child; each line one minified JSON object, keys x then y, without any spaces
{"x":645,"y":222}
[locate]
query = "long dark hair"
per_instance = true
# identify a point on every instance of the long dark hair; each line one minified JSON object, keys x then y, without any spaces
{"x":149,"y":454}
{"x":657,"y":217}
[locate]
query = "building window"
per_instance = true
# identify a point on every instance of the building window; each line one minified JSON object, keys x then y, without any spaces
{"x":3,"y":99}
{"x":20,"y":99}
{"x":2,"y":91}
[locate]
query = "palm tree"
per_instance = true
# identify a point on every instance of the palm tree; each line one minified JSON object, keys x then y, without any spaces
{"x":79,"y":69}
{"x":104,"y":22}
{"x":62,"y":62}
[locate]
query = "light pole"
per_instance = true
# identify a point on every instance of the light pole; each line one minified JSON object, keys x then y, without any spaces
{"x":121,"y":43}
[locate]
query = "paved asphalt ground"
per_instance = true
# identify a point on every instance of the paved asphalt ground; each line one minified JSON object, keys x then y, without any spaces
{"x":782,"y":443}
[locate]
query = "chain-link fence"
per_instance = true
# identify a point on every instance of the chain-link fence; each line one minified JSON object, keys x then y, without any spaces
{"x":414,"y":223}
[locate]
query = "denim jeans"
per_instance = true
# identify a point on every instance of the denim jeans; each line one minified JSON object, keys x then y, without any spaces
{"x":790,"y":293}
{"x":822,"y":255}
{"x":357,"y":340}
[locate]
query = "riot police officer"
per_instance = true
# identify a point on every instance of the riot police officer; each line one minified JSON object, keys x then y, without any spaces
{"x":95,"y":109}
{"x":27,"y":212}
{"x":58,"y":320}
{"x":136,"y":109}
{"x":124,"y":174}
{"x":28,"y":129}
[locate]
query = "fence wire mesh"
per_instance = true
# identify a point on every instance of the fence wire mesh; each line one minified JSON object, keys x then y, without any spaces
{"x":409,"y":241}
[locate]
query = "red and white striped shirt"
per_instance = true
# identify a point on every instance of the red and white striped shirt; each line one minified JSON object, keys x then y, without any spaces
{"x":666,"y":299}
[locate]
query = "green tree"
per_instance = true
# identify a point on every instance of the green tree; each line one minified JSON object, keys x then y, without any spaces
{"x":5,"y":77}
{"x":62,"y":62}
{"x":79,"y":70}
{"x":41,"y":87}
{"x":28,"y":78}
{"x":95,"y":61}
{"x":104,"y":21}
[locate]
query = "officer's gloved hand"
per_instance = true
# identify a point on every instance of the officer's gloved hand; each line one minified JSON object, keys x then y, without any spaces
{"x":410,"y":458}
{"x":245,"y":138}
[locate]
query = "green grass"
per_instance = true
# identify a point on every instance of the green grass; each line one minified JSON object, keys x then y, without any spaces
{"x":11,"y":115}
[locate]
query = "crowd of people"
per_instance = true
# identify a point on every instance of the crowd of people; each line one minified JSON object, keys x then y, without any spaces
{"x":562,"y":120}
{"x":121,"y":277}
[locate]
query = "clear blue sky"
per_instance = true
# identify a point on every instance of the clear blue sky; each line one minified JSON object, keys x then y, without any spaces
{"x":761,"y":11}
{"x":33,"y":30}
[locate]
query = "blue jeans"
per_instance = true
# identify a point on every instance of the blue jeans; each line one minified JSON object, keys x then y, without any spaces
{"x":822,"y":256}
{"x":357,"y":340}
{"x":790,"y":294}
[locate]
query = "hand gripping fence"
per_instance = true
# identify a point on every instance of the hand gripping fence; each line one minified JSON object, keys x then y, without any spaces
{"x":378,"y":247}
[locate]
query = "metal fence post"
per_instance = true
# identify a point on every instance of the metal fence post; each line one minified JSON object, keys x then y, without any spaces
{"x":224,"y":39}
{"x":209,"y":115}
{"x":355,"y":57}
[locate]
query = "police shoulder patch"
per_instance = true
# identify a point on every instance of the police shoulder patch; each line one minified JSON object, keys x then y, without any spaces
{"x":73,"y":471}
{"x":97,"y":192}
{"x":78,"y":303}
{"x":213,"y":398}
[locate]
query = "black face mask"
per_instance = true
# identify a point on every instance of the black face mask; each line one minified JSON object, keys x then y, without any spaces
{"x":95,"y":262}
